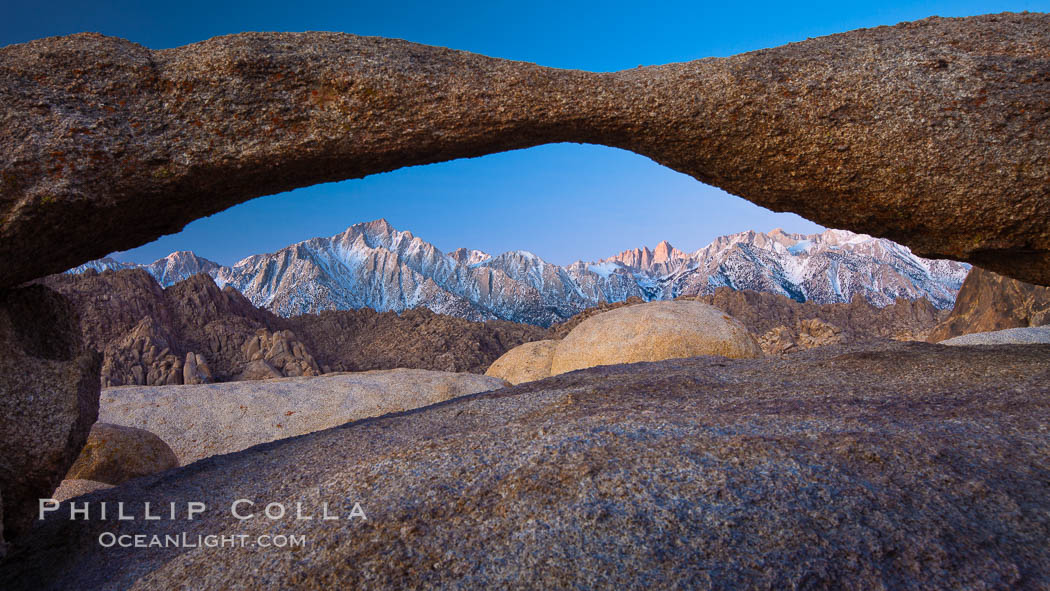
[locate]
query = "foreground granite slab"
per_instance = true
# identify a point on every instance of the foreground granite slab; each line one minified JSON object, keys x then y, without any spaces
{"x":1031,"y":335}
{"x":933,"y":133}
{"x":883,"y":465}
{"x":208,"y":419}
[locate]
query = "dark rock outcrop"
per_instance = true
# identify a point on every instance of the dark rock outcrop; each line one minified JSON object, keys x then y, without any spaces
{"x":49,"y":391}
{"x":988,"y":302}
{"x":932,"y":133}
{"x":889,"y":465}
{"x":191,"y":332}
{"x":904,"y":320}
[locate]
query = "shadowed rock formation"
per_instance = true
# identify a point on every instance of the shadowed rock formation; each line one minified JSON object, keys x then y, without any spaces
{"x":361,"y":340}
{"x":989,"y":302}
{"x":933,"y":133}
{"x":192,"y":332}
{"x":887,"y":466}
{"x":784,"y":325}
{"x":49,"y":392}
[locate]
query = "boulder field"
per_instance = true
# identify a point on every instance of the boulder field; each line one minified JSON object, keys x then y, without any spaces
{"x":931,"y":133}
{"x":782,"y":324}
{"x":148,"y":334}
{"x":884,"y":465}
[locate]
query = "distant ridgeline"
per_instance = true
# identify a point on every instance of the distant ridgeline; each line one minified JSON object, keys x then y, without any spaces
{"x":373,"y":265}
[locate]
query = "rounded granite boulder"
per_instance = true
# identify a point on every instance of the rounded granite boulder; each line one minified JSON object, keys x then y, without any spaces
{"x":653,"y":332}
{"x":115,"y":453}
{"x":525,"y":363}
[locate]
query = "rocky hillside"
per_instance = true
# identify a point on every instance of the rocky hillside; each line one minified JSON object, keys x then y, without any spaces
{"x":988,"y":302}
{"x":358,"y":340}
{"x":194,"y":332}
{"x":373,"y":265}
{"x":191,"y":332}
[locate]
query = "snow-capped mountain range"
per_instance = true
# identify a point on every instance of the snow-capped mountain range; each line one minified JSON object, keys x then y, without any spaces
{"x":373,"y":265}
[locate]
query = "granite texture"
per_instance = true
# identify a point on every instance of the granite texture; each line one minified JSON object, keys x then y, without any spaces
{"x":879,"y":466}
{"x":932,"y":133}
{"x":48,"y":399}
{"x":1032,"y":335}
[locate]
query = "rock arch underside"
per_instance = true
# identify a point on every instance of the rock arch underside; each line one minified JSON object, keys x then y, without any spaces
{"x":934,"y":133}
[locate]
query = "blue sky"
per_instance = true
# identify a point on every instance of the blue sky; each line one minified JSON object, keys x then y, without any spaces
{"x":563,"y":202}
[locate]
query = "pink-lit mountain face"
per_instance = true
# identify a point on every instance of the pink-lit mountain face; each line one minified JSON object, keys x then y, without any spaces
{"x":376,"y":266}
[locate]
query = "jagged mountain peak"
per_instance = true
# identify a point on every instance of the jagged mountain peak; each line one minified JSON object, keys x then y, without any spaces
{"x":664,"y":252}
{"x":378,"y":225}
{"x":376,"y":233}
{"x":376,"y":229}
{"x":524,"y":255}
{"x":469,"y":256}
{"x":372,"y":264}
{"x":642,"y":258}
